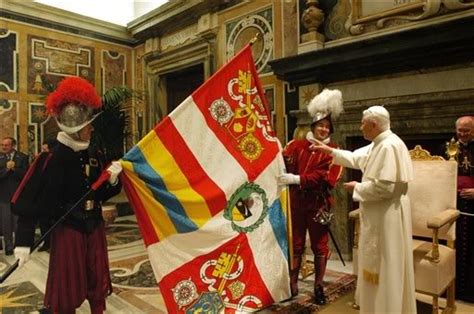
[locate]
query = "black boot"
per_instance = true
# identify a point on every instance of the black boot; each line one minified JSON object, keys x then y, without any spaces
{"x":294,"y":275}
{"x":320,"y":268}
{"x":294,"y":282}
{"x":319,"y":296}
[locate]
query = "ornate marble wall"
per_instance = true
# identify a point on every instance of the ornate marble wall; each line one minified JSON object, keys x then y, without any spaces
{"x":9,"y":117}
{"x":53,"y":59}
{"x":34,"y":55}
{"x":294,"y":64}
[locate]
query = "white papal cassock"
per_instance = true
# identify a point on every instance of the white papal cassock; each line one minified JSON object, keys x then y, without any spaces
{"x":385,"y":281}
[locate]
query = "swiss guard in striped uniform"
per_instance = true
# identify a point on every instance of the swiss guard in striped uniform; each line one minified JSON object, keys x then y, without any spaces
{"x":78,"y":265}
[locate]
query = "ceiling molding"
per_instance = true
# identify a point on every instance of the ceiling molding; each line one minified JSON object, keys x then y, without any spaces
{"x":50,"y":17}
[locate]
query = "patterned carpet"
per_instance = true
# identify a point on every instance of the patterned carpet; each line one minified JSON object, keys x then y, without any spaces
{"x":134,"y":286}
{"x":336,"y":284}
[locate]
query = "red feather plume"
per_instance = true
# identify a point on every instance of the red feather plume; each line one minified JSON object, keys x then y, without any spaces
{"x":75,"y":90}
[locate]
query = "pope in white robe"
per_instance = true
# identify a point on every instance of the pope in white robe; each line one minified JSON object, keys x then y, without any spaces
{"x":385,"y":282}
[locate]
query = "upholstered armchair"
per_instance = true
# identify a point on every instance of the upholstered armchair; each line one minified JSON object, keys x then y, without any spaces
{"x":433,"y":204}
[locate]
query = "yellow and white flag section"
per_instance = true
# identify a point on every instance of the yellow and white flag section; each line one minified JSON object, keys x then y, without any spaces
{"x":203,"y":187}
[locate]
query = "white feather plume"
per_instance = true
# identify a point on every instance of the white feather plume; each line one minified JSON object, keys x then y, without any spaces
{"x":328,"y":102}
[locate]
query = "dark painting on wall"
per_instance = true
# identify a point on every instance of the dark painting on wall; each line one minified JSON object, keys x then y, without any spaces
{"x":8,"y":62}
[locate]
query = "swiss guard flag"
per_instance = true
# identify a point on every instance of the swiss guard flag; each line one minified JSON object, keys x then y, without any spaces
{"x":203,"y":186}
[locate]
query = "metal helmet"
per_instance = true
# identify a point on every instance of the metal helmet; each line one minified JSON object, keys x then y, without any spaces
{"x":72,"y":104}
{"x":326,"y":105}
{"x":74,"y":117}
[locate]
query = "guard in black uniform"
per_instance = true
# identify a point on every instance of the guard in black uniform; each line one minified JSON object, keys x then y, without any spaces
{"x":79,"y":266}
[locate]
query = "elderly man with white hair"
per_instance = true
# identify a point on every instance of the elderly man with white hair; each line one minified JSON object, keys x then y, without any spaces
{"x":385,"y":281}
{"x":465,"y":203}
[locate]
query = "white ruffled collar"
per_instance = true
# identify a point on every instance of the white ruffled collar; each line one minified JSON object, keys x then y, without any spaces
{"x":310,"y":137}
{"x":75,"y":145}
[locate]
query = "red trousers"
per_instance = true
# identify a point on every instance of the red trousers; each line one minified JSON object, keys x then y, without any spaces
{"x":302,"y":220}
{"x":78,"y":270}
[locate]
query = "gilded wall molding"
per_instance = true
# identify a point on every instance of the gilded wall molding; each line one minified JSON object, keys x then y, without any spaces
{"x":364,"y":13}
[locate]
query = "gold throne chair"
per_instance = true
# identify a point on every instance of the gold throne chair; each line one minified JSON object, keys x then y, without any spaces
{"x":433,"y":205}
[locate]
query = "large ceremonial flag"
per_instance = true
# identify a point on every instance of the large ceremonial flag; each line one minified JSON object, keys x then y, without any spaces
{"x":203,"y":187}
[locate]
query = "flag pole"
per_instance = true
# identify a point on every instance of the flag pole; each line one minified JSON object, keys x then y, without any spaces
{"x":103,"y":177}
{"x":290,"y":227}
{"x":254,"y":39}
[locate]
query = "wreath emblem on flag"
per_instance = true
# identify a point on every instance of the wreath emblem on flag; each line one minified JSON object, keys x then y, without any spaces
{"x":247,"y":207}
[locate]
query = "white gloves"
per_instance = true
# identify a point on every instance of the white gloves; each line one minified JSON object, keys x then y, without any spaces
{"x":22,"y":253}
{"x":288,"y":178}
{"x":114,"y":169}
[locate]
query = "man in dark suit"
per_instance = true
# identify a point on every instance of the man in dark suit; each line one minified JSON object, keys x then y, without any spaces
{"x":13,"y":166}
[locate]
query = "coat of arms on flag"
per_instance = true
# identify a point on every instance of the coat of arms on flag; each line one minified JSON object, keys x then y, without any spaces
{"x":203,"y":187}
